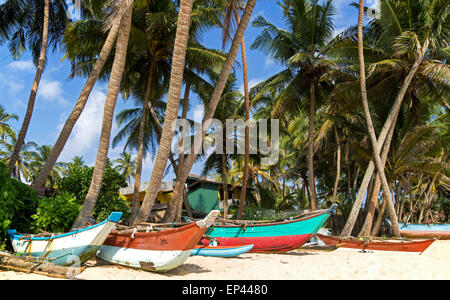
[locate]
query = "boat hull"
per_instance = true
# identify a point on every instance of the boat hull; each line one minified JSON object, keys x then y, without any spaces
{"x":155,"y":251}
{"x":272,"y":237}
{"x":400,"y":246}
{"x":439,"y":231}
{"x":221,"y":251}
{"x":75,"y":247}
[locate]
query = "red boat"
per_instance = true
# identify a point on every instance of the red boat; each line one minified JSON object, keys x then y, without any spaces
{"x":377,"y":245}
{"x":155,"y":251}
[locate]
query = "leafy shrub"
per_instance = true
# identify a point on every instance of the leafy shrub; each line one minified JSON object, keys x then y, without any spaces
{"x":56,"y":214}
{"x":17,"y":203}
{"x":78,"y":181}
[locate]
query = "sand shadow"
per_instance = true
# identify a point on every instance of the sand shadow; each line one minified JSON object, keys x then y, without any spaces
{"x":186,"y":269}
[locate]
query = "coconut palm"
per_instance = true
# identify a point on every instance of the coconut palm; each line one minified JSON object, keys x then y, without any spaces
{"x":232,"y":15}
{"x":22,"y":165}
{"x":77,"y":162}
{"x":301,"y":50}
{"x":219,"y":161}
{"x":210,"y":110}
{"x":34,"y":26}
{"x":5,"y":127}
{"x":73,"y":49}
{"x":108,"y":114}
{"x":126,"y":166}
{"x":404,"y":44}
{"x":36,"y":161}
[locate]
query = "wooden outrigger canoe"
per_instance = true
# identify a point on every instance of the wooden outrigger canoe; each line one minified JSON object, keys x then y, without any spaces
{"x":159,"y":251}
{"x":65,"y":249}
{"x":281,"y":236}
{"x":377,"y":245}
{"x":425,"y":231}
{"x":221,"y":251}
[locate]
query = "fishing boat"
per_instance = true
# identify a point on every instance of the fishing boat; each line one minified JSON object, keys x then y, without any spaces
{"x":271,"y":236}
{"x":371,"y":244}
{"x":157,"y":251}
{"x":67,"y":249}
{"x":439,"y":231}
{"x":221,"y":251}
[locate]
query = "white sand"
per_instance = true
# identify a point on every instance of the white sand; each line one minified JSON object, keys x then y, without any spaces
{"x":434,"y":263}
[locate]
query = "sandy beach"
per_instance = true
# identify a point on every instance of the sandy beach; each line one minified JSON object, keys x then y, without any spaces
{"x":299,"y":264}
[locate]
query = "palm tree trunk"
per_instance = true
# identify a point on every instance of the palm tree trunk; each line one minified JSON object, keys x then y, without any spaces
{"x":390,"y":121}
{"x":311,"y":178}
{"x":367,"y":226}
{"x":216,"y":95}
{"x":108,"y":115}
{"x":379,"y":220}
{"x":225,"y":184}
{"x":140,"y":154}
{"x":38,"y":184}
{"x":247,"y":119}
{"x":37,"y":79}
{"x":371,"y":129}
{"x":338,"y":166}
{"x":179,"y":205}
{"x":173,"y":102}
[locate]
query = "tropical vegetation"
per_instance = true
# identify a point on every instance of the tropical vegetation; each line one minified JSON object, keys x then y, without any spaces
{"x":363,"y":113}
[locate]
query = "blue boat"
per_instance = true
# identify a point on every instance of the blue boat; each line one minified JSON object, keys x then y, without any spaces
{"x":440,"y":231}
{"x":221,"y":251}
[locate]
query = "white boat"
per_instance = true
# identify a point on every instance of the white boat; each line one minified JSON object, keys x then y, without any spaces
{"x":66,"y":249}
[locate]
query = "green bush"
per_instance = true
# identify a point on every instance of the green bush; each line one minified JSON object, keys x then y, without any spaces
{"x":56,"y":214}
{"x":78,"y":182}
{"x":17,"y":203}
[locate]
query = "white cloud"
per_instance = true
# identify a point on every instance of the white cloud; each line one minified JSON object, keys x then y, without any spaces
{"x":22,"y":65}
{"x":51,"y":90}
{"x":14,"y":85}
{"x":86,"y":133}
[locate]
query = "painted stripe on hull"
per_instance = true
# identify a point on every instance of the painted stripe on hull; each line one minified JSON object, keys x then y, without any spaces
{"x":280,"y":237}
{"x":149,"y":260}
{"x":266,"y":244}
{"x":83,"y":244}
{"x":221,"y":251}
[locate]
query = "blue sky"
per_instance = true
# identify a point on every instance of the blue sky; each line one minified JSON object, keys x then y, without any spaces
{"x":57,"y":94}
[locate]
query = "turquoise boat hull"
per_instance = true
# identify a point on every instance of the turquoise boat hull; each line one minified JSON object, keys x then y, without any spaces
{"x":272,"y":237}
{"x":221,"y":251}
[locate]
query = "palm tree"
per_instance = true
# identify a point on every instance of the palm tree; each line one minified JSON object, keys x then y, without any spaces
{"x":176,"y":82}
{"x":35,"y":25}
{"x":371,"y":129}
{"x":22,"y":165}
{"x":210,"y":110}
{"x":72,"y":46}
{"x":37,"y":160}
{"x":396,"y":33}
{"x":5,"y":127}
{"x":77,"y":162}
{"x":108,"y":115}
{"x":227,"y":109}
{"x":126,"y":166}
{"x":232,"y":13}
{"x":302,"y":50}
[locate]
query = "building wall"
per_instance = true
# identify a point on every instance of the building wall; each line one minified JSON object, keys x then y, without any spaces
{"x":204,"y":197}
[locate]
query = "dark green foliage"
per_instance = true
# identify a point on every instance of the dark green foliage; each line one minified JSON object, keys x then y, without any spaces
{"x":17,"y":203}
{"x":445,"y":207}
{"x":78,"y":181}
{"x":56,"y":214}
